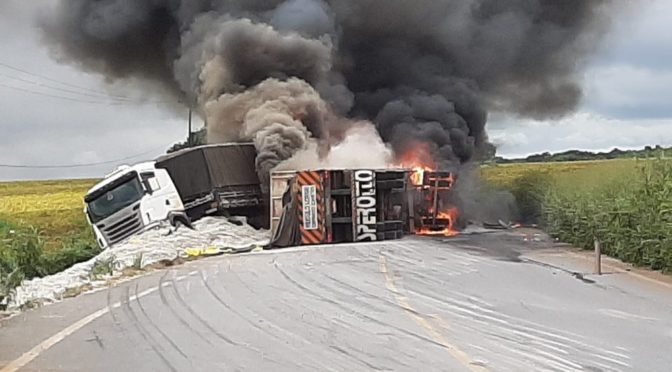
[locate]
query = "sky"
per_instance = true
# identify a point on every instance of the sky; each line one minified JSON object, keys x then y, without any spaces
{"x":54,"y":114}
{"x":627,"y":93}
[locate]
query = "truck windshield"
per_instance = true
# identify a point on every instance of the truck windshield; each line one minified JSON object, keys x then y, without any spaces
{"x":115,"y":199}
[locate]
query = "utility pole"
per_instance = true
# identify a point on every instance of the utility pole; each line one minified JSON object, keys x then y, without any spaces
{"x":189,"y":141}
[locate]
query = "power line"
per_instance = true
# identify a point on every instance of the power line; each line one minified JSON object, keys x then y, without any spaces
{"x":71,"y":99}
{"x":69,"y":91}
{"x":92,"y":92}
{"x":59,"y":82}
{"x":80,"y":165}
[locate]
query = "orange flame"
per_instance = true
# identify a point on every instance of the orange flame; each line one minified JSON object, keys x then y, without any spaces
{"x":418,"y":175}
{"x":419,"y":159}
{"x":451,"y":215}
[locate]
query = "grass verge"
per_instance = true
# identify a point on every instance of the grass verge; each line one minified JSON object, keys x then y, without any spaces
{"x":42,"y":230}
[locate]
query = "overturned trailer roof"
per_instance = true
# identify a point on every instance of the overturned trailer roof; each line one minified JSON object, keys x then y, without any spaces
{"x":198,"y":170}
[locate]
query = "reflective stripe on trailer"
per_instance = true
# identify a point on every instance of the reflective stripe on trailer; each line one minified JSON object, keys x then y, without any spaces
{"x":311,"y":232}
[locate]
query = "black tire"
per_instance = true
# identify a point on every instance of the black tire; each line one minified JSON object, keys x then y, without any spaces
{"x":180,"y":220}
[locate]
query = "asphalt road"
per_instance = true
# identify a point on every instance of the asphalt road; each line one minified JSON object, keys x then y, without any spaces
{"x":488,"y":302}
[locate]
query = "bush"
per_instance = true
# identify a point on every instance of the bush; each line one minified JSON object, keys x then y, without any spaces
{"x":631,"y":216}
{"x":102,"y":268}
{"x":10,"y":278}
{"x":23,"y":256}
{"x":76,"y":249}
{"x":625,"y":204}
{"x":530,"y":190}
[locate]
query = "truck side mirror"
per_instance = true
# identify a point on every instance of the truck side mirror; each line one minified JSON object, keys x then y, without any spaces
{"x":146,"y":177}
{"x":147,"y":186}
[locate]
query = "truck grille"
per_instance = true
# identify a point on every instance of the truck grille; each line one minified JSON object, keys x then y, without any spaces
{"x":125,"y":226}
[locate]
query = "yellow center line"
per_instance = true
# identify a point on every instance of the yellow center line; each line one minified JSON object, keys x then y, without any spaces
{"x":459,"y":355}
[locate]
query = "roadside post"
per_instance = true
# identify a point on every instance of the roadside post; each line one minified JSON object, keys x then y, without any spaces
{"x":598,"y":257}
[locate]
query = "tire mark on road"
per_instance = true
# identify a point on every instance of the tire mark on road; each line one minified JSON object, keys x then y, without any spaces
{"x":529,"y":333}
{"x":358,"y":359}
{"x":157,"y":328}
{"x":453,"y":350}
{"x":349,"y":326}
{"x":115,"y":318}
{"x":246,"y":318}
{"x":180,"y":319}
{"x":270,"y":322}
{"x":212,"y":329}
{"x":204,"y":322}
{"x":30,"y":355}
{"x":534,"y":333}
{"x":334,"y":290}
{"x":126,"y":307}
{"x":355,"y":312}
{"x":221,"y":301}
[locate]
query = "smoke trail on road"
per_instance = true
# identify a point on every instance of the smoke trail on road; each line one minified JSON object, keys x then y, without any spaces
{"x":293,"y":75}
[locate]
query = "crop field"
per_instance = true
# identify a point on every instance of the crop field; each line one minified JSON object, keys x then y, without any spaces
{"x":625,"y":204}
{"x":42,"y":230}
{"x":582,"y":174}
{"x":54,"y":208}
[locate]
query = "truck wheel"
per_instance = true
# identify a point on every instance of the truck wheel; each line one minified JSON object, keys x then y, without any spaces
{"x":177,"y":221}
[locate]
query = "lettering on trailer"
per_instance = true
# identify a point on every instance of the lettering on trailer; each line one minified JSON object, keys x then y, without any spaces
{"x":309,"y":194}
{"x":364,"y":207}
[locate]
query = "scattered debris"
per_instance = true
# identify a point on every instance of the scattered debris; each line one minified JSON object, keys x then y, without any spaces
{"x":533,"y":238}
{"x":161,"y":246}
{"x":500,"y":225}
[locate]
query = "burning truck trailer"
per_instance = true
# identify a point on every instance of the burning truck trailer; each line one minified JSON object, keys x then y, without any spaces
{"x":315,"y":207}
{"x":434,"y":214}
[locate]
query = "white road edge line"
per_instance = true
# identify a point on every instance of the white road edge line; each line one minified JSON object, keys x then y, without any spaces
{"x":45,"y":345}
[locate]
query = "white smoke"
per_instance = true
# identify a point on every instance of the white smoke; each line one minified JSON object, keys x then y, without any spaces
{"x":361,"y":148}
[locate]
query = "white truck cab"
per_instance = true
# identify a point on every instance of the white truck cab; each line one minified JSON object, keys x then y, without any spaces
{"x":130,"y":200}
{"x":178,"y":188}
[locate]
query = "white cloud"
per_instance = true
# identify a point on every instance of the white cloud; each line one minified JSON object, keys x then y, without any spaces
{"x":39,"y":130}
{"x":629,"y":91}
{"x":584,"y":131}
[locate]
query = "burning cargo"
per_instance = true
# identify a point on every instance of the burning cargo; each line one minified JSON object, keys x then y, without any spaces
{"x":435,"y":214}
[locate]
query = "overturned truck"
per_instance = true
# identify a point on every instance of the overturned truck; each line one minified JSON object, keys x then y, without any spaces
{"x":306,"y":207}
{"x":336,"y":206}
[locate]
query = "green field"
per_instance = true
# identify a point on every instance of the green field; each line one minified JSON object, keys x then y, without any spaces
{"x":55,"y":208}
{"x":625,"y":204}
{"x":42,"y":229}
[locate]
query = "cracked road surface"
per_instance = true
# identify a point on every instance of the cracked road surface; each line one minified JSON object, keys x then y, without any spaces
{"x":488,"y":302}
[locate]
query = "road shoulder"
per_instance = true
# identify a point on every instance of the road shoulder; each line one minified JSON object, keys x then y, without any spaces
{"x":576,"y":261}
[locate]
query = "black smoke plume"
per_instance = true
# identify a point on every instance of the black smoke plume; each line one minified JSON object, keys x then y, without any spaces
{"x":424,"y":70}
